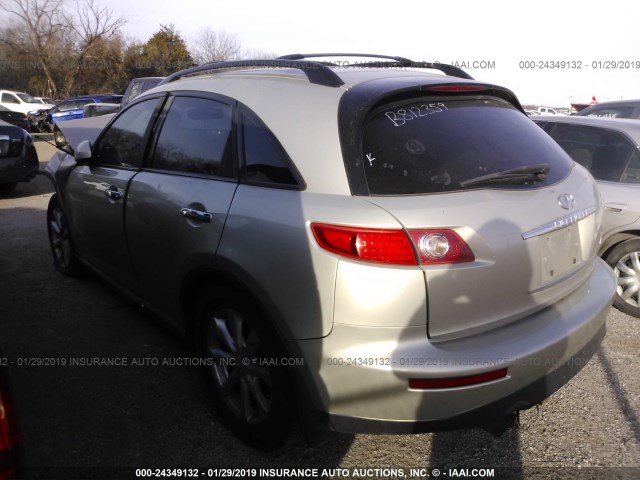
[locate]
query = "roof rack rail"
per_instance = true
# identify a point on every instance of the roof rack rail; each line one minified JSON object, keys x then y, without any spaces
{"x":397,"y":62}
{"x":316,"y":72}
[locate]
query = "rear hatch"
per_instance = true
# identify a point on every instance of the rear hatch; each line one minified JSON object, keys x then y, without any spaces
{"x":481,"y":168}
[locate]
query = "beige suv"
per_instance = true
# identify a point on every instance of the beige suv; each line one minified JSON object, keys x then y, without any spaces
{"x":378,"y":246}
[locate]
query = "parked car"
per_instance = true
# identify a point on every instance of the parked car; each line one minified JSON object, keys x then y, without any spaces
{"x":615,"y":109}
{"x":18,"y":156}
{"x":90,"y":128}
{"x":97,"y":109}
{"x":373,"y":246}
{"x":18,"y":119}
{"x":609,"y":149}
{"x":137,"y":86}
{"x":73,"y":108}
{"x":46,"y":100}
{"x":21,"y":102}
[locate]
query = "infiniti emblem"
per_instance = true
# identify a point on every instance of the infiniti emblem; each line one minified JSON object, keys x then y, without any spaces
{"x":566,"y":201}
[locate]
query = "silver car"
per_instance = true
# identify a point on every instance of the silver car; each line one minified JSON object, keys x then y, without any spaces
{"x":375,"y":248}
{"x":610,"y":149}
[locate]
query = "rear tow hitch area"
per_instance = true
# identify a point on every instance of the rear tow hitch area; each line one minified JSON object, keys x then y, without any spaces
{"x":500,"y":426}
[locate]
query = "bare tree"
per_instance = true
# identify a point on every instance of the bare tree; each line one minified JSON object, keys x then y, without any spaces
{"x":257,"y":54}
{"x":41,"y":24}
{"x":94,"y":26}
{"x":46,"y":32}
{"x":212,"y":46}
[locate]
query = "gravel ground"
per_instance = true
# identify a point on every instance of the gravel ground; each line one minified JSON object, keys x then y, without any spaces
{"x":96,"y":422}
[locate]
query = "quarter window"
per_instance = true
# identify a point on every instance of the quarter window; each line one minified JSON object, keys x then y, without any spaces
{"x":265,"y":160}
{"x":123,"y":143}
{"x":196,"y":138}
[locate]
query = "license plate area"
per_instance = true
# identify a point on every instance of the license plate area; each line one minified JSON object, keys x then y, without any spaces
{"x":560,"y":252}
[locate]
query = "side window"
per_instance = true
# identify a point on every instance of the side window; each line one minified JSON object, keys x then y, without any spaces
{"x":603,"y":152}
{"x":632,"y":172}
{"x":122,"y":145}
{"x":8,"y":98}
{"x":196,"y":138}
{"x":66,"y":106}
{"x":265,"y":160}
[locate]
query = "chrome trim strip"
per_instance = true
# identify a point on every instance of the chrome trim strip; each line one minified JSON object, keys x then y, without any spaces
{"x":560,"y":223}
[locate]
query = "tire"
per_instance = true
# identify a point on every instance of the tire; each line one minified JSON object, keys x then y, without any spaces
{"x":64,"y":257}
{"x":251,"y":398}
{"x":625,"y":261}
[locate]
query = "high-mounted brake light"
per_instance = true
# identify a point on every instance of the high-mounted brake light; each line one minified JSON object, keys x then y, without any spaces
{"x":453,"y":382}
{"x":457,"y":88}
{"x":434,"y":246}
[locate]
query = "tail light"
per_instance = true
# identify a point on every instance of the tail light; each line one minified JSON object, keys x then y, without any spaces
{"x":374,"y":245}
{"x":9,"y":439}
{"x":394,"y":246}
{"x":440,"y":246}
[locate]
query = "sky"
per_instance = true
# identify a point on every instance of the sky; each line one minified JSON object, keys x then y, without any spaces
{"x":548,"y":52}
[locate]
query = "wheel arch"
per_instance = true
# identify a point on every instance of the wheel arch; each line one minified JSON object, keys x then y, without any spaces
{"x":616,"y":239}
{"x":230,"y":275}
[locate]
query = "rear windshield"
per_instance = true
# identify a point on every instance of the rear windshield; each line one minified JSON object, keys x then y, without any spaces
{"x":432,"y":146}
{"x":609,"y":112}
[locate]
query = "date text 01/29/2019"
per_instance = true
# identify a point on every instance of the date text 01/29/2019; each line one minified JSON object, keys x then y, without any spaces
{"x":579,"y":65}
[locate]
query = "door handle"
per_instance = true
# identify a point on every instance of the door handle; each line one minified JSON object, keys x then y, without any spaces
{"x":113,"y":193}
{"x":616,"y":207}
{"x":196,"y":214}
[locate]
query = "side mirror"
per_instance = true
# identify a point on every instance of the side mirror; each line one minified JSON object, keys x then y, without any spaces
{"x":83,"y":152}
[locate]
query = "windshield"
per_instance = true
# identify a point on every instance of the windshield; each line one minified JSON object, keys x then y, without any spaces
{"x":26,"y":98}
{"x":431,"y":146}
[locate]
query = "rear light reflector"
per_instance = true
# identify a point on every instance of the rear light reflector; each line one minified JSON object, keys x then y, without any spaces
{"x":374,"y":245}
{"x":440,"y":246}
{"x":453,"y":382}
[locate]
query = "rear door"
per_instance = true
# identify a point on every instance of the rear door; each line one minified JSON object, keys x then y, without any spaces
{"x":97,"y":193}
{"x":179,"y":202}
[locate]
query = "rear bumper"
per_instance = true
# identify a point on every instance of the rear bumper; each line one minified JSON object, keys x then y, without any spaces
{"x":18,"y":169}
{"x":522,"y":399}
{"x":363,"y":372}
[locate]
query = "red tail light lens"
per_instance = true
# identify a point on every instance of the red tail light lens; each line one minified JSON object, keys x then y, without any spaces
{"x":9,"y":439}
{"x":452,"y":382}
{"x":374,"y":245}
{"x":434,"y":246}
{"x":440,"y":246}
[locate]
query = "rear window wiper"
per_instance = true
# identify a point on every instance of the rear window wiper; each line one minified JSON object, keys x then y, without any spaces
{"x":519,"y":175}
